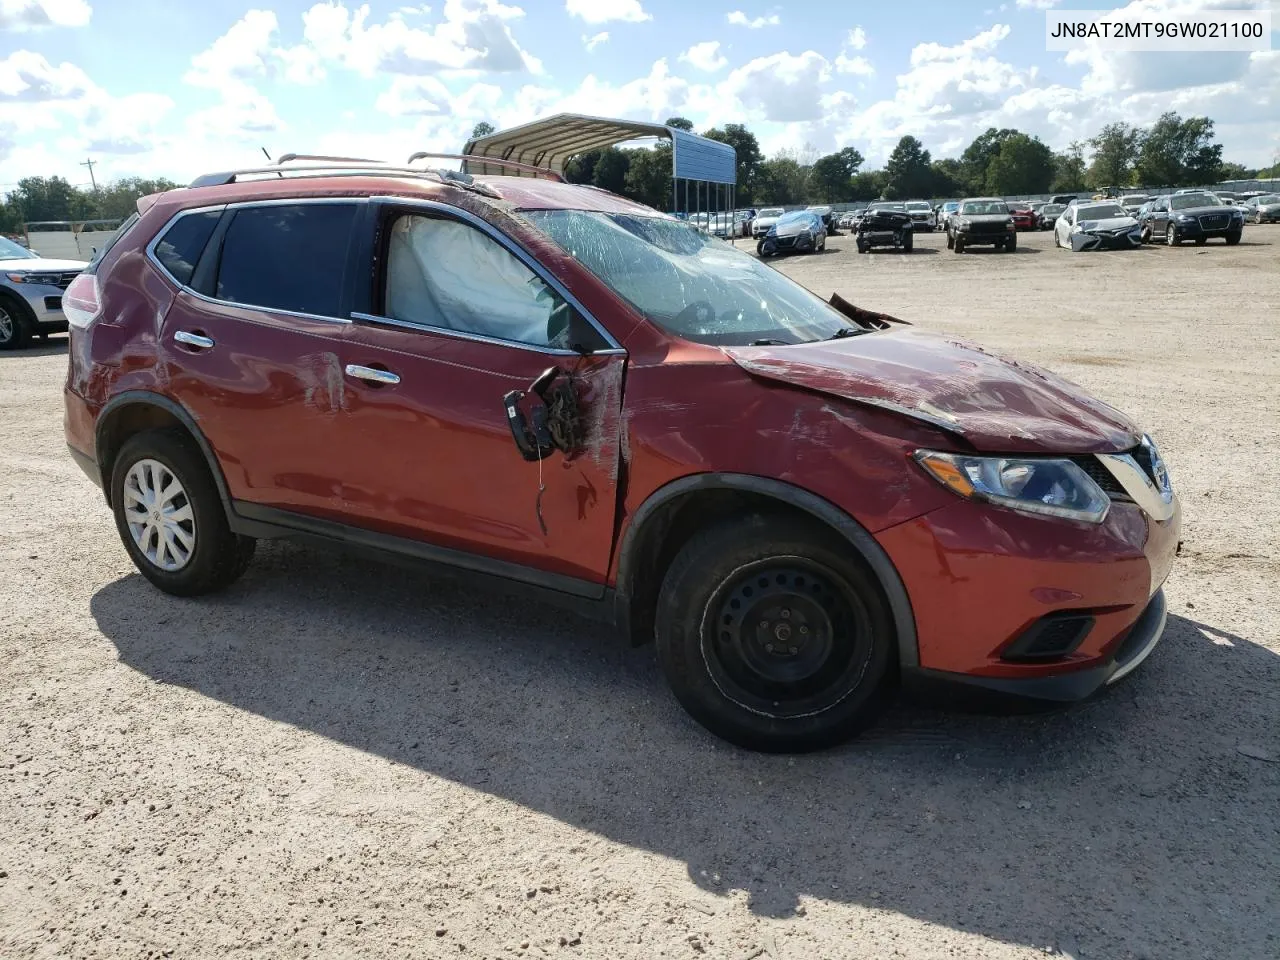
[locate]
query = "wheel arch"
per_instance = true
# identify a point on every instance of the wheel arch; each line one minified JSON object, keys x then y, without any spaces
{"x":674,"y":512}
{"x":132,"y":412}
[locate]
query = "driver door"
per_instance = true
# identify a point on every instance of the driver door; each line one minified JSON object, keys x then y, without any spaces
{"x":458,"y":317}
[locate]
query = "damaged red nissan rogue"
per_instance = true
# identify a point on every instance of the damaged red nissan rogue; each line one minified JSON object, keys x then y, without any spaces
{"x":801,"y":502}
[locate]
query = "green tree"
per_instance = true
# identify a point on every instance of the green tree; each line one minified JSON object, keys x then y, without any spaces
{"x":45,"y":198}
{"x":119,"y":199}
{"x":830,"y":175}
{"x":1069,"y":169}
{"x":978,"y":155}
{"x":1022,"y":165}
{"x":749,"y":157}
{"x":1177,"y":152}
{"x":1115,"y":151}
{"x":680,"y":123}
{"x":1236,"y":171}
{"x":781,"y":179}
{"x":648,"y":179}
{"x":611,"y":170}
{"x":949,"y":179}
{"x":868,"y":185}
{"x":481,"y":129}
{"x":581,"y":167}
{"x":908,"y":172}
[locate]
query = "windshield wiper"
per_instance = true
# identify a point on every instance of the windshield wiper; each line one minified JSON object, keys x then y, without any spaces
{"x":846,"y":332}
{"x":768,"y":342}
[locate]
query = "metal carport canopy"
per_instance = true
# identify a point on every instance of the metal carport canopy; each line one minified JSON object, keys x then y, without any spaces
{"x":551,"y":141}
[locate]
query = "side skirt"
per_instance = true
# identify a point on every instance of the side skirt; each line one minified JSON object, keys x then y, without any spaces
{"x":591,"y":600}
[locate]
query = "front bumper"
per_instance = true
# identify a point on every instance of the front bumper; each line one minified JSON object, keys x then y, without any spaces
{"x":971,"y":239}
{"x":1129,"y":240}
{"x":1135,"y":647}
{"x":981,"y":578}
{"x":1197,"y":229}
{"x":45,"y":303}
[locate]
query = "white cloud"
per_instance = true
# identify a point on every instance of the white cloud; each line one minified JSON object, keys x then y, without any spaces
{"x":858,"y":66}
{"x":783,"y":87}
{"x":595,"y":40}
{"x":474,"y":35}
{"x":243,"y":114}
{"x":19,"y":15}
{"x":602,"y":11}
{"x":740,"y":19}
{"x":1038,"y":4}
{"x":27,"y":77}
{"x":126,"y":125}
{"x":705,"y":56}
{"x":855,"y":65}
{"x":414,"y":96}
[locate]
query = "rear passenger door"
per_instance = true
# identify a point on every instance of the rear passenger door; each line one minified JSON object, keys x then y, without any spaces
{"x":253,"y":340}
{"x":1160,"y":218}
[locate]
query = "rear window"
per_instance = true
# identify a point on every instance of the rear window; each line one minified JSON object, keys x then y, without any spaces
{"x":287,"y":257}
{"x":180,"y":246}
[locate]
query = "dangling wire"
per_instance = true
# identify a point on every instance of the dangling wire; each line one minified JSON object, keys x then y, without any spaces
{"x":537,"y":503}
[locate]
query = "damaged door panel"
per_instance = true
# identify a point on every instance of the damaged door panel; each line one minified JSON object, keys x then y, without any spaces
{"x":433,"y":457}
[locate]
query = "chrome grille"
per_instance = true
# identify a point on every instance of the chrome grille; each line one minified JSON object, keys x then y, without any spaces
{"x":1215,"y":221}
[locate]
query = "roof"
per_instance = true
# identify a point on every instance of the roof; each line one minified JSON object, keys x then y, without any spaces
{"x":551,"y":141}
{"x":523,"y":193}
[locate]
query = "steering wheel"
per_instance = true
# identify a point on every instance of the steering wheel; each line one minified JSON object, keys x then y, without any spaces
{"x":700,"y":312}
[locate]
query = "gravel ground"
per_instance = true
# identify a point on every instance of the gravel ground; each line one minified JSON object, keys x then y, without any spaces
{"x":336,"y":758}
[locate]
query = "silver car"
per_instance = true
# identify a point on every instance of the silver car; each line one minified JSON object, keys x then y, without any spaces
{"x":31,"y":293}
{"x":1264,"y":209}
{"x":766,"y":217}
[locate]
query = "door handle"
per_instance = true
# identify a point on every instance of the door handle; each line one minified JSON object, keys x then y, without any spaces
{"x":193,"y":339}
{"x":372,"y":374}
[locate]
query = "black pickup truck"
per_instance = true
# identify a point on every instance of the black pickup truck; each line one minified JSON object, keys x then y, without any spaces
{"x":982,"y":221}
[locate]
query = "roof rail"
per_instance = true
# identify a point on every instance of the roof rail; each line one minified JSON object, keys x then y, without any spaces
{"x":494,"y":161}
{"x":363,"y":169}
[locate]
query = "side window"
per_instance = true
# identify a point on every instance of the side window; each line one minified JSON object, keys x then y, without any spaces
{"x":447,"y":274}
{"x":181,"y":245}
{"x":287,"y":257}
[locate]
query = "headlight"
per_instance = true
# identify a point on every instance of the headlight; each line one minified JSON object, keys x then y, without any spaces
{"x":1186,"y":218}
{"x":1055,"y":488}
{"x":48,"y":279}
{"x":1010,"y":226}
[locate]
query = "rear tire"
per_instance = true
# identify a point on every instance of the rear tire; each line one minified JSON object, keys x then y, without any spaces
{"x":774,"y":636}
{"x":208,"y":556}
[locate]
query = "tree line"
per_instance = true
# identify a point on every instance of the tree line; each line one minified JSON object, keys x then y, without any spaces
{"x":1172,"y":152}
{"x":53,"y":198}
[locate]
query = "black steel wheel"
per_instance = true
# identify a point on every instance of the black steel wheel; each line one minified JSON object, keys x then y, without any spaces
{"x":774,"y":634}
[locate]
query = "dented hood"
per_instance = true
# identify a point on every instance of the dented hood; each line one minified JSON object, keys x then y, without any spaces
{"x":996,"y":404}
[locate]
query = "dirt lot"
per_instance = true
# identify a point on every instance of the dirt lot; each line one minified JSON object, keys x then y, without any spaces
{"x":341,"y":759}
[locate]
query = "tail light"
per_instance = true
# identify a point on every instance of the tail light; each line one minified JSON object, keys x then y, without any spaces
{"x":80,"y":303}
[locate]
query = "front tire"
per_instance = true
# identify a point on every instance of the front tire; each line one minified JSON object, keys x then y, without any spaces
{"x":951,"y":241}
{"x":1234,"y":238}
{"x":908,"y":242}
{"x":170,"y":517}
{"x":1011,"y":244}
{"x":1171,"y":236}
{"x":958,"y":246}
{"x":774,"y":636}
{"x":14,"y":330}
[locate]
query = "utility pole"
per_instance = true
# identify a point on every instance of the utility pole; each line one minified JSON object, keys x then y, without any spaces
{"x":89,"y":162}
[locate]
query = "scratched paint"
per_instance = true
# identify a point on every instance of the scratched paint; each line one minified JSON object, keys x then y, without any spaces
{"x":323,"y":385}
{"x":600,"y":395}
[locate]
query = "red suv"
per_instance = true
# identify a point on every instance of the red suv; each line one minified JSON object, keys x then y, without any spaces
{"x":802,"y":502}
{"x":1024,"y":218}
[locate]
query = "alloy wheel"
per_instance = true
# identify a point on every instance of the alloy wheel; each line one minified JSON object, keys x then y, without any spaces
{"x":159,"y":515}
{"x":7,"y":326}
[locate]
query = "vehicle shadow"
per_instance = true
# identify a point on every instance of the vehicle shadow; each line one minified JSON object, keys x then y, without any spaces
{"x":913,"y":251}
{"x":985,"y":251}
{"x":1107,"y":826}
{"x":39,"y":348}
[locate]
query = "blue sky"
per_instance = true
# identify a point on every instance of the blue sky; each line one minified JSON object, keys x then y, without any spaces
{"x":174,"y":88}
